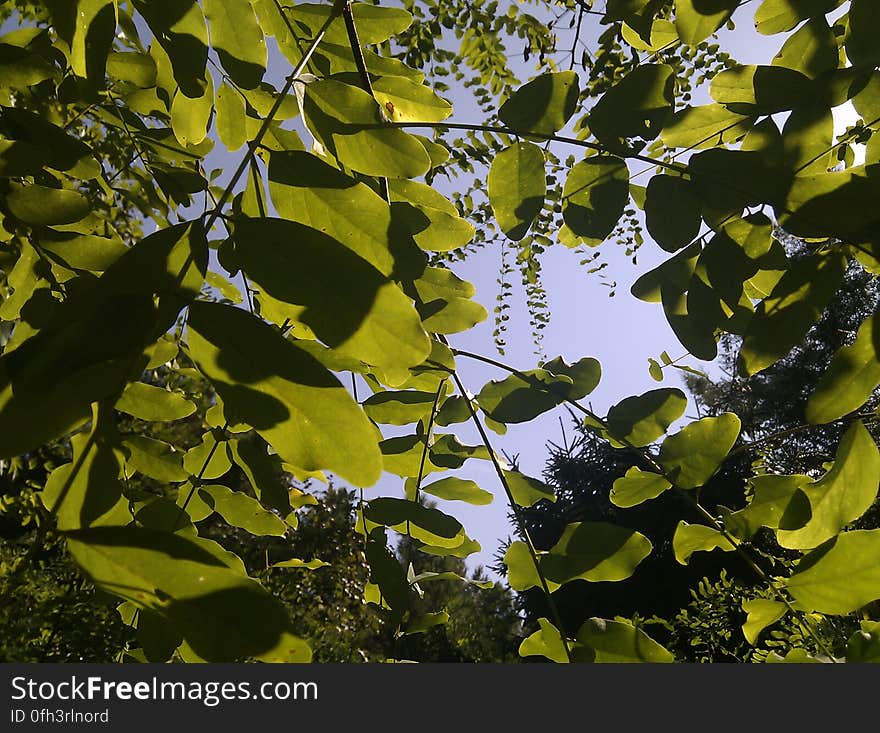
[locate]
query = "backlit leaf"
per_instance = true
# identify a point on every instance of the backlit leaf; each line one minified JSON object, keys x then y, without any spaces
{"x":637,"y":486}
{"x":851,"y":377}
{"x":841,"y":575}
{"x":298,"y":406}
{"x":517,"y":187}
{"x":238,"y":40}
{"x":843,"y":494}
{"x":692,"y":455}
{"x":691,"y":538}
{"x":620,"y":642}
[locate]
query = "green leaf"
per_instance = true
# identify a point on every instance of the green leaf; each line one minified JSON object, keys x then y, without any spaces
{"x":348,"y":123}
{"x":761,"y":613}
{"x":595,"y":551}
{"x":543,"y":105}
{"x":82,"y":251}
{"x":620,"y":642}
{"x":132,"y":67}
{"x":222,"y":614}
{"x":663,"y":35}
{"x":230,"y":118}
{"x":374,"y":24}
{"x":778,"y":502}
{"x":761,"y":90}
{"x":179,"y":28}
{"x":308,"y":190}
{"x":458,"y":489}
{"x":294,"y":402}
{"x":527,"y":491}
{"x":210,"y":459}
{"x":851,"y":377}
{"x":672,"y":212}
{"x":238,"y":40}
{"x":264,"y":472}
{"x":861,"y":47}
{"x":776,"y":16}
{"x":364,"y":316}
{"x":153,"y":458}
{"x":595,"y":194}
{"x":24,"y":278}
{"x":190,"y":114}
{"x":88,"y":29}
{"x":843,"y":494}
{"x":546,"y":642}
{"x":87,"y":492}
{"x":19,"y":68}
{"x":41,"y":206}
{"x":796,"y":303}
{"x":154,"y":403}
{"x":704,"y":127}
{"x":836,"y":204}
{"x":446,"y":306}
{"x":753,"y":233}
{"x":696,"y":20}
{"x":521,"y":571}
{"x":640,"y":420}
{"x":18,"y":158}
{"x":864,"y":645}
{"x":432,"y":229}
{"x":841,"y":575}
{"x":691,"y":456}
{"x":398,"y":408}
{"x":515,"y":400}
{"x":240,"y":510}
{"x":811,"y":50}
{"x":448,"y":452}
{"x":637,"y":486}
{"x":691,"y":538}
{"x":405,"y":100}
{"x":65,"y":152}
{"x":48,"y":382}
{"x":584,"y":374}
{"x":388,"y":575}
{"x":517,"y":186}
{"x":423,"y":623}
{"x":313,"y":564}
{"x":637,"y":106}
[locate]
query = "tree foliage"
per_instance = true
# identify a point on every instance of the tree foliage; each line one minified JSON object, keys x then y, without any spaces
{"x":344,"y":245}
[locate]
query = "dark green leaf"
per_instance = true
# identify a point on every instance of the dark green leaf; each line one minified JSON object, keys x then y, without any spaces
{"x":640,"y":420}
{"x":672,"y":212}
{"x":543,"y":105}
{"x":517,"y":186}
{"x":596,"y":193}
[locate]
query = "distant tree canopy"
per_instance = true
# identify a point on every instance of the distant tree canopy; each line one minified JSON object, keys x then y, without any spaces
{"x":191,"y":342}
